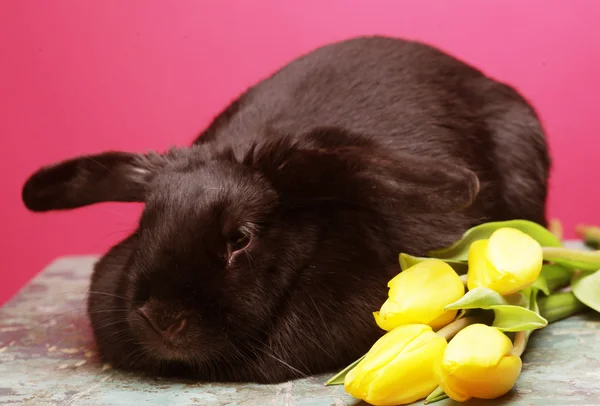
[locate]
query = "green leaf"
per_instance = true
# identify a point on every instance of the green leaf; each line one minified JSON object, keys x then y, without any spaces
{"x":533,"y":305}
{"x":554,"y":277}
{"x":459,"y":250}
{"x":406,"y":261}
{"x":338,"y":379}
{"x":586,"y":287}
{"x":435,"y":396}
{"x":511,"y":313}
{"x":573,"y":258}
{"x":484,"y":298}
{"x":541,"y":283}
{"x":532,"y":295}
{"x":516,"y":318}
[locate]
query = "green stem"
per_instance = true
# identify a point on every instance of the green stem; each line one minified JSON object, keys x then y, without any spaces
{"x":453,"y":328}
{"x":590,"y":235}
{"x":559,"y":306}
{"x":553,"y":308}
{"x":435,"y":396}
{"x":572,"y":258}
{"x":520,"y":343}
{"x":551,"y":253}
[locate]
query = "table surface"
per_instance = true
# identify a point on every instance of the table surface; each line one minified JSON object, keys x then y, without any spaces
{"x":47,"y":358}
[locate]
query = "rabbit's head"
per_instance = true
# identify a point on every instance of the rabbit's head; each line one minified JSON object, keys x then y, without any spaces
{"x":262,"y":263}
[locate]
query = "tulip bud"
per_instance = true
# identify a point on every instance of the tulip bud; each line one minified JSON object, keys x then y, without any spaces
{"x":419,"y":294}
{"x":478,"y":363}
{"x":399,"y":368}
{"x":508,"y":262}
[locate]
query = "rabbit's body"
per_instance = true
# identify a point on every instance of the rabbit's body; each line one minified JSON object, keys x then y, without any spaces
{"x":264,"y":249}
{"x":407,"y":97}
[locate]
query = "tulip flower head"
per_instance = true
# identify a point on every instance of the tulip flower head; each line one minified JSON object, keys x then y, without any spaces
{"x":419,"y":294}
{"x":399,"y":368}
{"x":508,"y":262}
{"x":478,"y":363}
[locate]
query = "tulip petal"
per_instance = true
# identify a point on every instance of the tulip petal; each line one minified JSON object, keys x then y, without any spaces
{"x":390,"y":345}
{"x":417,"y":378}
{"x":450,"y":385}
{"x":480,"y":273}
{"x":443,"y":319}
{"x":508,"y":262}
{"x":407,"y":261}
{"x":388,"y":320}
{"x":485,"y":383}
{"x":459,"y":250}
{"x":517,"y":258}
{"x":399,"y":367}
{"x":419,"y":295}
{"x":478,"y":363}
{"x":391,"y":315}
{"x":477,"y":344}
{"x":413,"y":368}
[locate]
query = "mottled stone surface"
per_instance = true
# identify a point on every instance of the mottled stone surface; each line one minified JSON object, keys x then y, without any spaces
{"x":47,"y":358}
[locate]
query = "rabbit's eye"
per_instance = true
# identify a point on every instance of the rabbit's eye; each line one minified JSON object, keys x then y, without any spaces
{"x":237,"y":241}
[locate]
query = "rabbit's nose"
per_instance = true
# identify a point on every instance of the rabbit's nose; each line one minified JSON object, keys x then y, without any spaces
{"x":166,"y":326}
{"x":175,"y":329}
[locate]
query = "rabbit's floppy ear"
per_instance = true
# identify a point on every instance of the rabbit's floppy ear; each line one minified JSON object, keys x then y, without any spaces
{"x":85,"y":180}
{"x":420,"y":184}
{"x":401,"y":181}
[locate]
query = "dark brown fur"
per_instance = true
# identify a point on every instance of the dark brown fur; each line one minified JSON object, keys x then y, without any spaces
{"x":328,"y":169}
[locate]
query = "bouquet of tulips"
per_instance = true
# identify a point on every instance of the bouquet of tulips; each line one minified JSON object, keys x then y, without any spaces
{"x":458,"y":320}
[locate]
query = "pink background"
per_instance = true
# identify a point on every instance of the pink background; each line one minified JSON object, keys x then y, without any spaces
{"x":80,"y":77}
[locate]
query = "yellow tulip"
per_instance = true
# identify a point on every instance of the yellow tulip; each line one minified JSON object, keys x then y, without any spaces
{"x":419,"y":294}
{"x":399,"y":368}
{"x":508,"y":262}
{"x":478,"y":363}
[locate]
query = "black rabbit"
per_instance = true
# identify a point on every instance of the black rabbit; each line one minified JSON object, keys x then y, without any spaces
{"x":264,"y":248}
